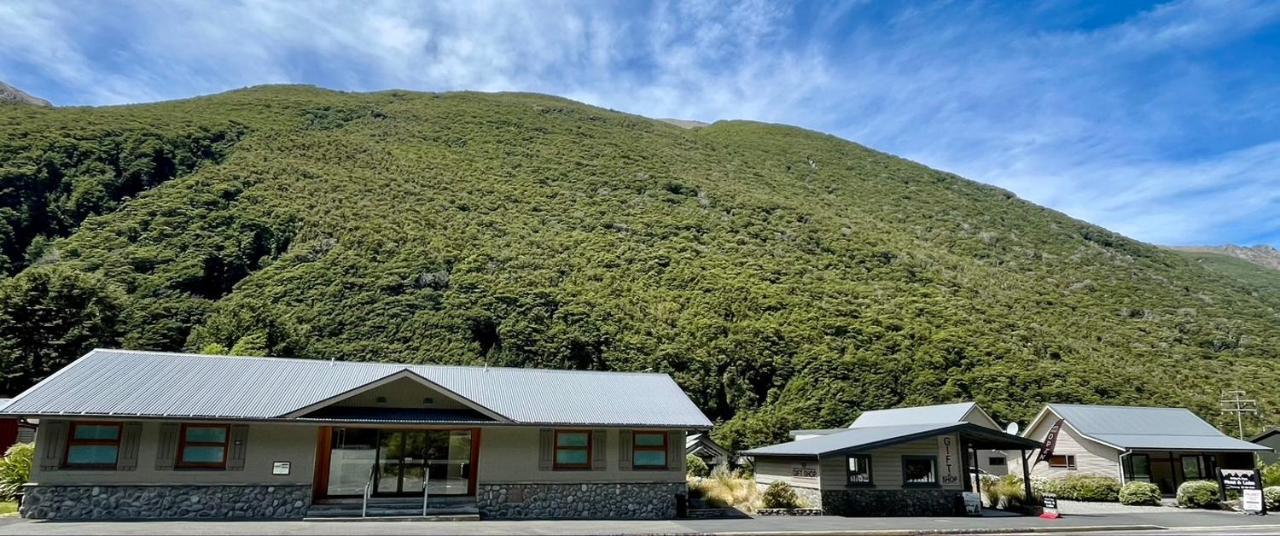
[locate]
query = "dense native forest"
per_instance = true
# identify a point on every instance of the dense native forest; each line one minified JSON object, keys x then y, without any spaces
{"x":784,"y":278}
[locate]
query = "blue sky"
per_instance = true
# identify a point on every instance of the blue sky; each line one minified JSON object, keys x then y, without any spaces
{"x":1157,"y":120}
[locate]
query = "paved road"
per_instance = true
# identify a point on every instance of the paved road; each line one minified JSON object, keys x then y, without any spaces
{"x":1173,"y":522}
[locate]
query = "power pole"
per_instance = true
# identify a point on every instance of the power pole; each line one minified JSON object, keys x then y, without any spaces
{"x":1234,"y":402}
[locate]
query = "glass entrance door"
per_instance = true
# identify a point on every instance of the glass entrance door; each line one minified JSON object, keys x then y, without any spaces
{"x":405,"y":458}
{"x":401,"y":460}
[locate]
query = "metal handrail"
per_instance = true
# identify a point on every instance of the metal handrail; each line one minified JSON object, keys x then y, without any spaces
{"x":368,"y":490}
{"x":426,"y":484}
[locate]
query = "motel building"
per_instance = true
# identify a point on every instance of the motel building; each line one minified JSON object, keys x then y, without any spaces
{"x":134,"y":435}
{"x":1163,"y":446}
{"x":898,"y":462}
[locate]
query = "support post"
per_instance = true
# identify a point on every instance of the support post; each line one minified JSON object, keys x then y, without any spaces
{"x":1026,"y":476}
{"x":977,"y":475}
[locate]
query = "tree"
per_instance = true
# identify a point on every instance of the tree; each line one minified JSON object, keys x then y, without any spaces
{"x":50,"y":316}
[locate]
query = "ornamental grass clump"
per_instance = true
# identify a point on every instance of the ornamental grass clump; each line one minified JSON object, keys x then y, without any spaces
{"x":724,"y":489}
{"x":1004,"y":492}
{"x":1140,"y":494}
{"x":1198,"y":494}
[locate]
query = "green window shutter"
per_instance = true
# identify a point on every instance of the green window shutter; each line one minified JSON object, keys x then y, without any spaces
{"x":52,"y":444}
{"x":675,"y":450}
{"x":599,"y":454}
{"x":624,"y":450}
{"x":546,"y":451}
{"x":167,"y":448}
{"x":238,"y":444}
{"x":130,"y":437}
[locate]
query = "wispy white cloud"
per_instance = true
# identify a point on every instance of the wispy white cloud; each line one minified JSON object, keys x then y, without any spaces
{"x":1147,"y":122}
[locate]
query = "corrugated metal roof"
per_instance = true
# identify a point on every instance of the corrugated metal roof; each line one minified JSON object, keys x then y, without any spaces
{"x":815,"y":432}
{"x":943,"y":413}
{"x":870,"y":437}
{"x":1148,"y":428}
{"x":4,"y":402}
{"x":849,"y":439}
{"x":159,"y":384}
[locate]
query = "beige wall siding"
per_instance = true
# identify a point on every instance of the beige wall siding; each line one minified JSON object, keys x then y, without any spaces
{"x":984,"y":462}
{"x":510,"y":454}
{"x":770,"y":470}
{"x":886,"y":467}
{"x":507,"y":454}
{"x":266,"y":444}
{"x":1092,"y":458}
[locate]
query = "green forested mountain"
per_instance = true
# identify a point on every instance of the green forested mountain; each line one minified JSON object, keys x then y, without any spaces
{"x":785,"y":278}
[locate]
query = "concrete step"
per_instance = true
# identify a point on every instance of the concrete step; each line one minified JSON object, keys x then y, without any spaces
{"x":403,"y":510}
{"x":416,"y":517}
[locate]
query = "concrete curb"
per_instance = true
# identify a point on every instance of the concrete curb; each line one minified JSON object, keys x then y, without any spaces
{"x":925,"y":532}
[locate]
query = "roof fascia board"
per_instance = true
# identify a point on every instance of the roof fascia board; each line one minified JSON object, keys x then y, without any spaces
{"x":1035,"y":421}
{"x":320,"y":422}
{"x":401,"y":374}
{"x":1163,"y":449}
{"x":959,"y":427}
{"x":50,"y":377}
{"x":1265,"y":435}
{"x":1048,"y":408}
{"x":982,"y":412}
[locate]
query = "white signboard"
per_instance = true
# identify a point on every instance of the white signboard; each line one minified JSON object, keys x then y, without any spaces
{"x":972,"y":503}
{"x":280,"y":468}
{"x":948,"y":461}
{"x":1251,"y":501}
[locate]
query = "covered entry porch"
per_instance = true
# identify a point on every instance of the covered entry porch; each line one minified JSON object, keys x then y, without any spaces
{"x":1169,"y":469}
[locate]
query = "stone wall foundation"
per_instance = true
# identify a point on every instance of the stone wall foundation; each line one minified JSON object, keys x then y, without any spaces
{"x":630,"y":500}
{"x":166,"y":502}
{"x":892,"y":502}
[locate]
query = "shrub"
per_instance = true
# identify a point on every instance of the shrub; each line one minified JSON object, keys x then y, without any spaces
{"x":696,"y":467}
{"x":1271,"y":496}
{"x":15,"y":469}
{"x":1083,"y":488}
{"x":1198,"y":494}
{"x":1140,"y":493}
{"x":780,"y":495}
{"x":1271,"y":475}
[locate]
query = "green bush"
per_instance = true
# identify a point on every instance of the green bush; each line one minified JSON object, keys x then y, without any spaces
{"x":1198,"y":494}
{"x":1271,"y":475}
{"x":1271,"y":496}
{"x":1083,"y":488}
{"x":696,"y":467}
{"x":780,"y":495}
{"x":1140,"y":493}
{"x":15,"y":469}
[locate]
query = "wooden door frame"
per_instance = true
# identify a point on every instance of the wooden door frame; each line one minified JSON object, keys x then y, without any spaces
{"x":324,"y":449}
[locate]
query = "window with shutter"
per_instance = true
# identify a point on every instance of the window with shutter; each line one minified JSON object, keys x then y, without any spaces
{"x":649,"y":450}
{"x":203,"y":446}
{"x":93,"y":445}
{"x":572,"y":449}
